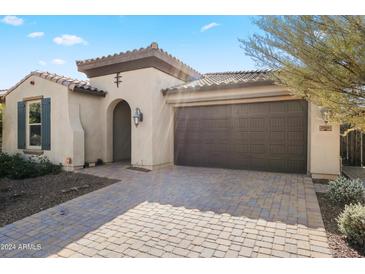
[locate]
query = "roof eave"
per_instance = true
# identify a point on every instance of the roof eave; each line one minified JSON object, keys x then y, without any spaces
{"x":218,"y":87}
{"x":151,"y":56}
{"x":59,"y":82}
{"x":89,"y":92}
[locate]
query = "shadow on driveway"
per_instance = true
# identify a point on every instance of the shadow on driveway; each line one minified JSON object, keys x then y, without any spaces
{"x":179,"y":211}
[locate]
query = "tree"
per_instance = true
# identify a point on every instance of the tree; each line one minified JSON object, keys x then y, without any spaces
{"x":318,"y":58}
{"x":1,"y":114}
{"x":1,"y":122}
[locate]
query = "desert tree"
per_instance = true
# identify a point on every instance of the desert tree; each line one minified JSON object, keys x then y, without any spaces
{"x":318,"y":58}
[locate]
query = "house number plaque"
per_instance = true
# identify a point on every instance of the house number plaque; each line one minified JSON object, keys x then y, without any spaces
{"x":325,"y":128}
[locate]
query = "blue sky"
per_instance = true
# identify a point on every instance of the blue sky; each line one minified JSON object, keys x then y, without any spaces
{"x":53,"y":43}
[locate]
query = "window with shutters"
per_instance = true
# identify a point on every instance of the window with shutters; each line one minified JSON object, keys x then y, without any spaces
{"x":34,"y":124}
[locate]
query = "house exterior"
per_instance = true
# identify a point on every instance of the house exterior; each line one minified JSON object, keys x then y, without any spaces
{"x":147,"y":107}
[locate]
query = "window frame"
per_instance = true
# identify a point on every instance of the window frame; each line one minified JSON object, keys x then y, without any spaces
{"x":27,"y":141}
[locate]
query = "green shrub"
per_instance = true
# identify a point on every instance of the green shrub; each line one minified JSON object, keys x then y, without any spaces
{"x":99,"y":162}
{"x":345,"y":191}
{"x":18,"y":167}
{"x":351,"y":223}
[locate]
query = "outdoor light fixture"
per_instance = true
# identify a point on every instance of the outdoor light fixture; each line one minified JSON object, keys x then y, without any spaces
{"x":137,"y":117}
{"x":325,"y":112}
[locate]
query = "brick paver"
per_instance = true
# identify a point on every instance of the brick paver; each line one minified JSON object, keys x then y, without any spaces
{"x":178,"y":212}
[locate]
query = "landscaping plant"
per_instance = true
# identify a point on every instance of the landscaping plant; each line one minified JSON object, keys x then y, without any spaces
{"x":99,"y":162}
{"x":351,"y":223}
{"x":18,"y":167}
{"x":345,"y":191}
{"x":319,"y":58}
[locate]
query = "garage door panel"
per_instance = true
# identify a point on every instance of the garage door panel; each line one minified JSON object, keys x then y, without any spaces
{"x":258,"y":163}
{"x":295,"y":137}
{"x":268,"y":136}
{"x":239,"y":110}
{"x":238,"y":162}
{"x":296,"y":165}
{"x":219,"y":112}
{"x":213,"y":123}
{"x":257,"y":124}
{"x":277,"y":149}
{"x":296,"y":123}
{"x":297,"y":150}
{"x":280,"y":165}
{"x":257,"y":137}
{"x":258,"y":148}
{"x":237,"y":136}
{"x":277,"y":124}
{"x":297,"y":106}
{"x":278,"y":108}
{"x":277,"y":137}
{"x":215,"y":138}
{"x":261,"y":109}
{"x":239,"y":148}
{"x":244,"y":124}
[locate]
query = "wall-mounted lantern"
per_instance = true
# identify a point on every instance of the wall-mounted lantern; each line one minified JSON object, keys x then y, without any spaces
{"x":325,"y":112}
{"x":137,"y":117}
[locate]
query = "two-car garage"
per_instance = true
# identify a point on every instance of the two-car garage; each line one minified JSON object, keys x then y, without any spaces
{"x":268,"y":136}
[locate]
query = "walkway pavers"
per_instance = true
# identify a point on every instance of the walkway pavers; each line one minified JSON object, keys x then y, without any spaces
{"x":179,"y":212}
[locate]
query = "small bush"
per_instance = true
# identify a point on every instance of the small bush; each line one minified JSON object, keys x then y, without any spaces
{"x":99,"y":162}
{"x":18,"y":167}
{"x":345,"y":191}
{"x":351,"y":223}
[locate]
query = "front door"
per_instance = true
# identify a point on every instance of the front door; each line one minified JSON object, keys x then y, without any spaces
{"x":122,"y":132}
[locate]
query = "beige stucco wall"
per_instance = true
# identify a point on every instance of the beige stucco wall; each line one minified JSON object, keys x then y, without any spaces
{"x":85,"y":110}
{"x":62,"y":134}
{"x":152,"y":139}
{"x":163,"y":121}
{"x":323,"y":148}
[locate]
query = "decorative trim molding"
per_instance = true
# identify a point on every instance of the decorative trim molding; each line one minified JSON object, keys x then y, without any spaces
{"x":33,"y":151}
{"x":219,"y":87}
{"x":235,"y":101}
{"x":40,"y":97}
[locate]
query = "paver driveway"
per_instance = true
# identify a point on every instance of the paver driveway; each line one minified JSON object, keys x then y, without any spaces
{"x":179,"y":212}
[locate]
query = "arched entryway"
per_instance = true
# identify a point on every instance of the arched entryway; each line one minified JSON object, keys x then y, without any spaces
{"x":122,"y":132}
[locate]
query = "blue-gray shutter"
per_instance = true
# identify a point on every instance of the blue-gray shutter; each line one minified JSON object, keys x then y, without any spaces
{"x":46,"y":124}
{"x":21,"y":125}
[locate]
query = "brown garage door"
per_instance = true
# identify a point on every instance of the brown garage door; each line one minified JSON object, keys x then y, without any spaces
{"x":270,"y":136}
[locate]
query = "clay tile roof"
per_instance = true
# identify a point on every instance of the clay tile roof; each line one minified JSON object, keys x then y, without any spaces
{"x":72,"y":84}
{"x":224,"y":80}
{"x":152,"y":50}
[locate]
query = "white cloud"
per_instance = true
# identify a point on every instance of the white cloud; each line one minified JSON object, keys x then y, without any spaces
{"x":209,"y":26}
{"x":58,"y":61}
{"x":12,"y":20}
{"x":69,"y":40}
{"x":36,"y":34}
{"x":42,"y":63}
